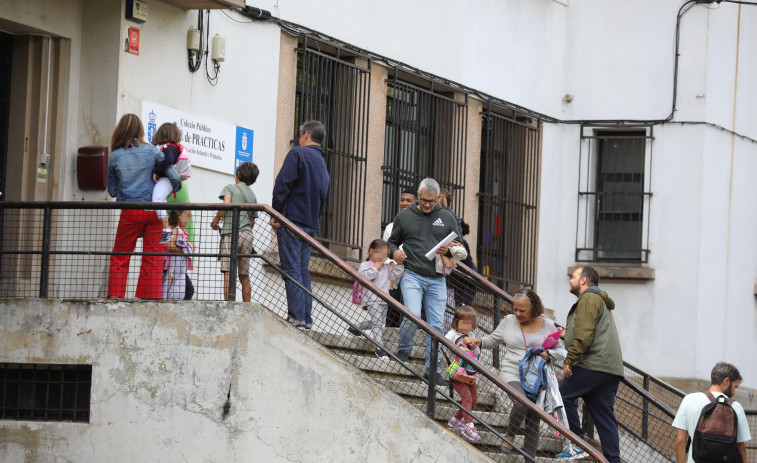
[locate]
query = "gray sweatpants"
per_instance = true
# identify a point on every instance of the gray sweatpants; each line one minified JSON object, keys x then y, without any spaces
{"x":377,"y":312}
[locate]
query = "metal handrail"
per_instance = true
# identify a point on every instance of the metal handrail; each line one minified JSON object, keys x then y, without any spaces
{"x":437,"y":337}
{"x":655,"y":380}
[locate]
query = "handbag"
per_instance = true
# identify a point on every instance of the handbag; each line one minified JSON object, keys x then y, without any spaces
{"x":249,"y":213}
{"x":531,"y":370}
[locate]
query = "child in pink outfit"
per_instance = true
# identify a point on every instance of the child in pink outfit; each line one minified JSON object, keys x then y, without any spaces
{"x":380,"y":273}
{"x":463,"y":323}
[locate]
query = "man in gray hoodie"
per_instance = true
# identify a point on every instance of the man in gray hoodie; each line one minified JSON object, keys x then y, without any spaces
{"x":594,"y":364}
{"x":418,"y":229}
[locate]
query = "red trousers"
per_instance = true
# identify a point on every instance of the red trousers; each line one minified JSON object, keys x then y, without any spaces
{"x":468,"y":399}
{"x":133,"y":224}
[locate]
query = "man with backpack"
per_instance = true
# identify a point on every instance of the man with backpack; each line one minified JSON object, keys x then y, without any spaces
{"x":715,"y":423}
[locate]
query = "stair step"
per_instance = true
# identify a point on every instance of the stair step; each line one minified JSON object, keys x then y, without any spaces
{"x":369,"y":363}
{"x":358,"y":351}
{"x":546,"y":444}
{"x":391,"y":335}
{"x":443,"y":411}
{"x":417,"y":388}
{"x":360,"y":343}
{"x":372,"y":364}
{"x":516,"y":458}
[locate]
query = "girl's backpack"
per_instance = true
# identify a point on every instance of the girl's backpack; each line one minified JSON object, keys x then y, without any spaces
{"x":357,"y":293}
{"x":459,"y":370}
{"x":182,"y":166}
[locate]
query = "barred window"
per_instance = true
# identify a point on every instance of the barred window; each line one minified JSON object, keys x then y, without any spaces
{"x":614,"y":195}
{"x":333,"y":89}
{"x":425,"y":137}
{"x":508,"y":200}
{"x":41,"y":392}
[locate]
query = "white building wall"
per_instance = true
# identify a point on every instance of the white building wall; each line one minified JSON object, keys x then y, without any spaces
{"x":700,"y":308}
{"x":245,"y":94}
{"x":489,"y":45}
{"x":615,"y":57}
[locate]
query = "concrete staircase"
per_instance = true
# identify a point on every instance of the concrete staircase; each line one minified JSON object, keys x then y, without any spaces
{"x":493,"y":405}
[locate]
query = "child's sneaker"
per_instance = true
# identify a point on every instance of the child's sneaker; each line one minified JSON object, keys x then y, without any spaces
{"x":454,"y":423}
{"x":572,"y":453}
{"x":165,"y":236}
{"x":469,"y":431}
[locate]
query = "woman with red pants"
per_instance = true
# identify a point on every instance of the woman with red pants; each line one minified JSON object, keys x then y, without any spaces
{"x":130,"y":178}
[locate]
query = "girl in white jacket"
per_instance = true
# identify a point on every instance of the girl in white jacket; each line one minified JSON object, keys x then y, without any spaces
{"x":380,"y":273}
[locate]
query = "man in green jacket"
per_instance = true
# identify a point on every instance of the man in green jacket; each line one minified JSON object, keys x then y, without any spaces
{"x":594,"y":364}
{"x":418,"y":229}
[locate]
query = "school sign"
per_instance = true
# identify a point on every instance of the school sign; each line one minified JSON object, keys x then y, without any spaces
{"x":210,"y":144}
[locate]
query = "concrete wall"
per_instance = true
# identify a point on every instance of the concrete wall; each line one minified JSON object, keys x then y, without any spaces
{"x":162,"y":374}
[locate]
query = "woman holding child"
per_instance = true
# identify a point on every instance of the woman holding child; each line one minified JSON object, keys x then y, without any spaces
{"x":524,"y":329}
{"x":130,"y":179}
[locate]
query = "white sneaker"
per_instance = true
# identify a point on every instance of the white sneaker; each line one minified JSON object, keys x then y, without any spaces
{"x":573,"y":453}
{"x":165,"y":236}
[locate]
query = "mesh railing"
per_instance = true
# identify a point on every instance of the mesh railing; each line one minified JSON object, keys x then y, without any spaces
{"x":751,"y":446}
{"x":64,"y":250}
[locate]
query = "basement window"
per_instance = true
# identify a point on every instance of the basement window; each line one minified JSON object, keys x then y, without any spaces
{"x":44,"y":392}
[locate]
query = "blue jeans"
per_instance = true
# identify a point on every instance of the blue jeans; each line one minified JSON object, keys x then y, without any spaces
{"x":295,"y":257}
{"x":598,"y":390}
{"x":429,"y":292}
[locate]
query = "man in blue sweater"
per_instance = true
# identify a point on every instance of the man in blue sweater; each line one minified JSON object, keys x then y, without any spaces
{"x":299,"y":193}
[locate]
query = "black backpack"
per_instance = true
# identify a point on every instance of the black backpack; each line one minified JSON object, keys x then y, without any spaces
{"x":715,"y":434}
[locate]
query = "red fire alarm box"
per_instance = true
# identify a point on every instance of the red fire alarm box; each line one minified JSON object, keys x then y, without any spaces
{"x":92,"y":167}
{"x":132,"y":43}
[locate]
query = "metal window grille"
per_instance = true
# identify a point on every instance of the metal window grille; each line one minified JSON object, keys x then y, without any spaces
{"x":614,"y":195}
{"x":41,"y":392}
{"x":425,"y":137}
{"x":508,"y":200}
{"x":336,"y":92}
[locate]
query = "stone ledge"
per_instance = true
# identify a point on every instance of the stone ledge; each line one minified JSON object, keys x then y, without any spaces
{"x":633,"y":272}
{"x":321,"y":269}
